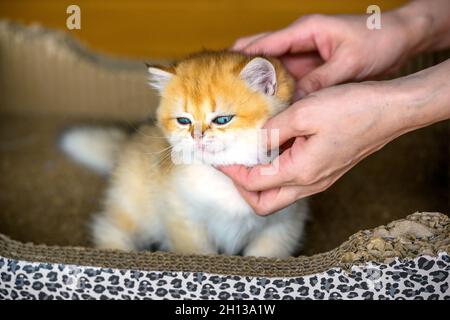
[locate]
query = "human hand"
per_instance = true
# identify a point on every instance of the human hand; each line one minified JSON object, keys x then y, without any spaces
{"x":321,"y":50}
{"x":335,"y":128}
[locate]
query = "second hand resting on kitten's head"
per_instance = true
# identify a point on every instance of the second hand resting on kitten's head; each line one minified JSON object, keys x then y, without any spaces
{"x":164,"y":188}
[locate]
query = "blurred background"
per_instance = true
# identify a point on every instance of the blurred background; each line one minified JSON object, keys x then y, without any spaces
{"x":172,"y":28}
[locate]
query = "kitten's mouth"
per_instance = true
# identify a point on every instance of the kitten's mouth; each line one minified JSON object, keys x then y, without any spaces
{"x":200,"y":147}
{"x":209,"y":148}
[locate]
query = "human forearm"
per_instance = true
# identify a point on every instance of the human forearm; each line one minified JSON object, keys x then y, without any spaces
{"x":420,"y":99}
{"x":426,"y":24}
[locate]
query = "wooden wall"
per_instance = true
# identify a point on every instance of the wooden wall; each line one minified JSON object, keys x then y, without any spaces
{"x":170,"y":28}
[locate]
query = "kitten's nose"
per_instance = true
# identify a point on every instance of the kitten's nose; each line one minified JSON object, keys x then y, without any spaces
{"x":197,"y":132}
{"x":196,"y":135}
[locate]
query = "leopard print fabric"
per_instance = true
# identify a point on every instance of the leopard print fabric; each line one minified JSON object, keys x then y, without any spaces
{"x":422,"y":278}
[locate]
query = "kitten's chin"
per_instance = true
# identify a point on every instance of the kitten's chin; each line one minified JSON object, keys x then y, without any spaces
{"x":224,"y":158}
{"x":229,"y":162}
{"x":229,"y":157}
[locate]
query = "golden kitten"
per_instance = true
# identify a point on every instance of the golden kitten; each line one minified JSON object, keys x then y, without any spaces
{"x":164,"y":188}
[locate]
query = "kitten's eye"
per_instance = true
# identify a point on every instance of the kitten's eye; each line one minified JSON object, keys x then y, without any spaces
{"x":183,"y":121}
{"x":221,"y":120}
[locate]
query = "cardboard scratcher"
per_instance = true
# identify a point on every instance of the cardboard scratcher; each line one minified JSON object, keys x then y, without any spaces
{"x":49,"y":82}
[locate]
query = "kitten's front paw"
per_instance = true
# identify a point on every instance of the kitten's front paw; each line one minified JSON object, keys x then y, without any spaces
{"x":108,"y":236}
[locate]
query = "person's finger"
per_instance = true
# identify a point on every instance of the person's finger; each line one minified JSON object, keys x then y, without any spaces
{"x":293,"y":39}
{"x":255,"y":178}
{"x":274,"y":44}
{"x":321,"y":185}
{"x":281,"y":172}
{"x":337,"y":69}
{"x":241,"y":43}
{"x":301,"y":64}
{"x":267,"y":202}
{"x":287,"y":125}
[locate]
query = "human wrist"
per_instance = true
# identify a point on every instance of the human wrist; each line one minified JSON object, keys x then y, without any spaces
{"x":426,"y":24}
{"x":415,"y":25}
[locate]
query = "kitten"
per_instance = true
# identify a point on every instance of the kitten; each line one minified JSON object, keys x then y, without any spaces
{"x":212,"y":105}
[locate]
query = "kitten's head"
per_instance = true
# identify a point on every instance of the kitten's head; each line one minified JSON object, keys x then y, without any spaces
{"x":213,"y":103}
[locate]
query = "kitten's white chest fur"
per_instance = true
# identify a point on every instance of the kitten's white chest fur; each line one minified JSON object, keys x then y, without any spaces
{"x":210,"y":191}
{"x":211,"y":199}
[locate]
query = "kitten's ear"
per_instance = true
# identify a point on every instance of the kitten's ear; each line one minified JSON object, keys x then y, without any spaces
{"x":260,"y":75}
{"x":159,"y":76}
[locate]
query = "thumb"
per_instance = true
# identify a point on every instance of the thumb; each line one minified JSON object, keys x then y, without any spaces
{"x":287,"y":125}
{"x":336,"y":70}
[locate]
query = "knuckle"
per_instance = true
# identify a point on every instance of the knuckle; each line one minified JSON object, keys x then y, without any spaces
{"x":298,"y":115}
{"x":303,"y":116}
{"x":351,"y":63}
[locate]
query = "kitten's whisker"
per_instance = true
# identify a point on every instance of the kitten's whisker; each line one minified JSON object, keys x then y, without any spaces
{"x":162,"y":158}
{"x":153,"y":137}
{"x":162,"y":155}
{"x":158,"y":152}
